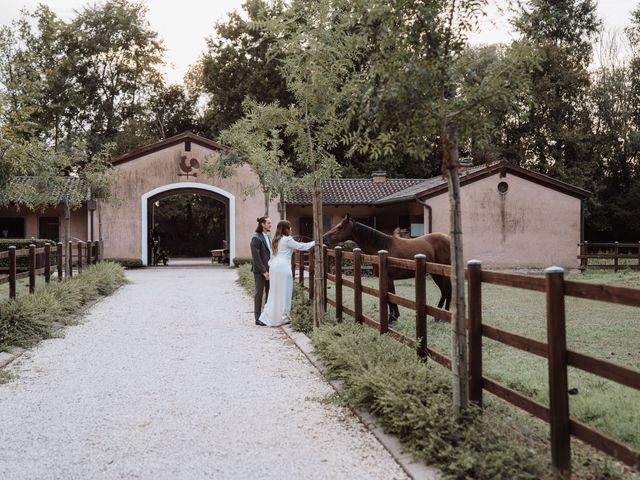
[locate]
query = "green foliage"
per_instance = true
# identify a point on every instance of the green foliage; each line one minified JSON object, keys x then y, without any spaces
{"x":82,"y":79}
{"x":413,"y":400}
{"x":245,"y":278}
{"x":30,"y":318}
{"x":239,"y":261}
{"x":239,"y":65}
{"x":301,"y":313}
{"x":128,"y":263}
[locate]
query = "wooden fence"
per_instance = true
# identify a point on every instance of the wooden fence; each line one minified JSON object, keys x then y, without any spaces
{"x":612,"y":253}
{"x":555,"y":350}
{"x":41,"y":261}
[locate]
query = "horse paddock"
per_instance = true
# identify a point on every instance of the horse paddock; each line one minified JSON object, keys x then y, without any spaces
{"x":603,"y":330}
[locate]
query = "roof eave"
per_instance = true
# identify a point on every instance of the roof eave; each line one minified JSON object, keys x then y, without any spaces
{"x":168,"y":142}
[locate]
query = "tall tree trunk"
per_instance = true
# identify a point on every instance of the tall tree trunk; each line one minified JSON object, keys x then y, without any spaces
{"x":283,"y":207}
{"x":266,"y":202}
{"x":459,"y":359}
{"x":318,"y":297}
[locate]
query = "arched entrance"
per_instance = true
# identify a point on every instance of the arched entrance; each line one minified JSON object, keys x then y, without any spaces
{"x":210,"y":195}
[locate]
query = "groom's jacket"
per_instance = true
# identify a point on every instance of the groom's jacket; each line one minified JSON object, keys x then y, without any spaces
{"x":260,"y":254}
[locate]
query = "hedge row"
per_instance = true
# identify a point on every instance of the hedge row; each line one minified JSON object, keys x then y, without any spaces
{"x":31,"y":318}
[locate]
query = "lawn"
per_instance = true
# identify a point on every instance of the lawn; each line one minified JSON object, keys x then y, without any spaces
{"x":603,"y":330}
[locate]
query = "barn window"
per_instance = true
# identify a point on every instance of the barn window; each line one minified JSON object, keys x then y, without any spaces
{"x":503,"y":187}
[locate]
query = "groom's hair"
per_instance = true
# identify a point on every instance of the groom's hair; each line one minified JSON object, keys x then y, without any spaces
{"x":261,"y":221}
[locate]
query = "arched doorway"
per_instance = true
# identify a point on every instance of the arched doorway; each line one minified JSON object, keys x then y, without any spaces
{"x":206,"y":202}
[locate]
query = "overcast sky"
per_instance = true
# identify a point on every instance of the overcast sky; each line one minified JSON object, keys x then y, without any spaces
{"x":184,"y":24}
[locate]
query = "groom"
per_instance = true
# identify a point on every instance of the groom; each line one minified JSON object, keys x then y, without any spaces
{"x":260,"y":254}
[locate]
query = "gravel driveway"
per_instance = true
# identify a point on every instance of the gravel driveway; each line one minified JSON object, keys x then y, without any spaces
{"x":170,"y":379}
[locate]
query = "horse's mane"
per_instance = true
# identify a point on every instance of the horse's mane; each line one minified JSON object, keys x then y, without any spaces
{"x":371,"y":236}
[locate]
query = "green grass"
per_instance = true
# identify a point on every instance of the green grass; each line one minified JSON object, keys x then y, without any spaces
{"x":31,"y":317}
{"x":599,"y":329}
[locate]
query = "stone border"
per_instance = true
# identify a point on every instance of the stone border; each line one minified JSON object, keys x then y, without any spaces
{"x":415,"y":470}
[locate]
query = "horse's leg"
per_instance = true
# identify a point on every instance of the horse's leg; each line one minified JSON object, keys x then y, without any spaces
{"x":444,"y":284}
{"x":394,"y":311}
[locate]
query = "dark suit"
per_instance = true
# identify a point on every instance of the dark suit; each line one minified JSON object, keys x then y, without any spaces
{"x":260,"y":255}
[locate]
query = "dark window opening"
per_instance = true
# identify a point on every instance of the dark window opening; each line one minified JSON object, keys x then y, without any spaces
{"x":12,"y":227}
{"x":503,"y":187}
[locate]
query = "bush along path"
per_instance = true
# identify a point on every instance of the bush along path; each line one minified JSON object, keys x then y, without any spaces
{"x":412,"y":400}
{"x":31,"y":318}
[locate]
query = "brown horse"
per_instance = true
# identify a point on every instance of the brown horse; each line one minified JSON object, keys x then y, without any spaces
{"x":434,"y":245}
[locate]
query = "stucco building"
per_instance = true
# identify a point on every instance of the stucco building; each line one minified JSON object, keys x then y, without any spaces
{"x":511,"y":217}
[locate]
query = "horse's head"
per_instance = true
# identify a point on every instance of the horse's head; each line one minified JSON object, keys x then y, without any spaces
{"x":342,"y":232}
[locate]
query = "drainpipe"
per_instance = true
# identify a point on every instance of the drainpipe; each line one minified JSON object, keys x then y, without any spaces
{"x":583,"y":207}
{"x":428,"y":207}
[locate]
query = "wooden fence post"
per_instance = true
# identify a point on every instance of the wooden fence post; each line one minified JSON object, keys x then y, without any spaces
{"x":616,"y":252}
{"x":325,"y":270}
{"x":383,"y":284}
{"x":357,"y":280}
{"x":89,"y":247}
{"x":421,"y":305}
{"x":70,"y":258}
{"x":32,"y":268}
{"x":474,"y":327}
{"x":47,"y":262}
{"x":12,"y":272}
{"x":59,"y":260}
{"x":339,"y":283}
{"x":558,"y":385}
{"x":583,"y":253}
{"x":301,"y":268}
{"x":312,"y":273}
{"x":80,"y":256}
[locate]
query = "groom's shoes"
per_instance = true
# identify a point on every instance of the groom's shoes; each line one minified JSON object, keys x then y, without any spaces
{"x":262,"y":324}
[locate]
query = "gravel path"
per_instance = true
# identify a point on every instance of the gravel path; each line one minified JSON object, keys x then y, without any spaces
{"x":170,"y":379}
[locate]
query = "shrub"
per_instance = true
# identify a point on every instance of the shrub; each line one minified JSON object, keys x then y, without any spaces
{"x":412,"y":400}
{"x":238,"y":261}
{"x":128,"y":263}
{"x":30,"y":318}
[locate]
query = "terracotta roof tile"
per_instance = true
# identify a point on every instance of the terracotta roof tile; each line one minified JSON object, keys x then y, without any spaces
{"x":22,"y":186}
{"x":354,"y":191}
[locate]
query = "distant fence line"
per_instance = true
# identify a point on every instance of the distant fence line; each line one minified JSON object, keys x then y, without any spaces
{"x":621,"y":254}
{"x":42,"y":259}
{"x":555,"y":350}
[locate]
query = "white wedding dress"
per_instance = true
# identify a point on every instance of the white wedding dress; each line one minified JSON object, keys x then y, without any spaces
{"x":278,"y":307}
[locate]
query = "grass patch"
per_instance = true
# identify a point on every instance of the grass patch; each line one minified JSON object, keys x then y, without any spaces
{"x":30,"y":318}
{"x":603,"y":330}
{"x":5,"y":377}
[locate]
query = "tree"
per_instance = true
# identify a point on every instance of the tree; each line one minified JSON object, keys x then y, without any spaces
{"x":553,"y":136}
{"x":238,"y":65}
{"x":257,"y":140}
{"x":420,"y":83}
{"x":78,"y":80}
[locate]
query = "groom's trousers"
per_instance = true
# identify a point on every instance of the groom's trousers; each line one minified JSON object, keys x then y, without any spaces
{"x":262,"y":289}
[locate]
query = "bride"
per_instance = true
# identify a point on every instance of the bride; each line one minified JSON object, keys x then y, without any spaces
{"x":276,"y":311}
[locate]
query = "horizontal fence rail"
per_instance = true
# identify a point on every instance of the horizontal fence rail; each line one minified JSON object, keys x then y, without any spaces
{"x":617,"y":256}
{"x":558,"y":357}
{"x":41,"y":261}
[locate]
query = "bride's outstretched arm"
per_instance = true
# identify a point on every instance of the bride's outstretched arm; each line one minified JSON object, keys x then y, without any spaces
{"x":300,"y":246}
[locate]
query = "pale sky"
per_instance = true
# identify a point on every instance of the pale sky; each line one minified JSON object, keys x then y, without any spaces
{"x":184,"y":24}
